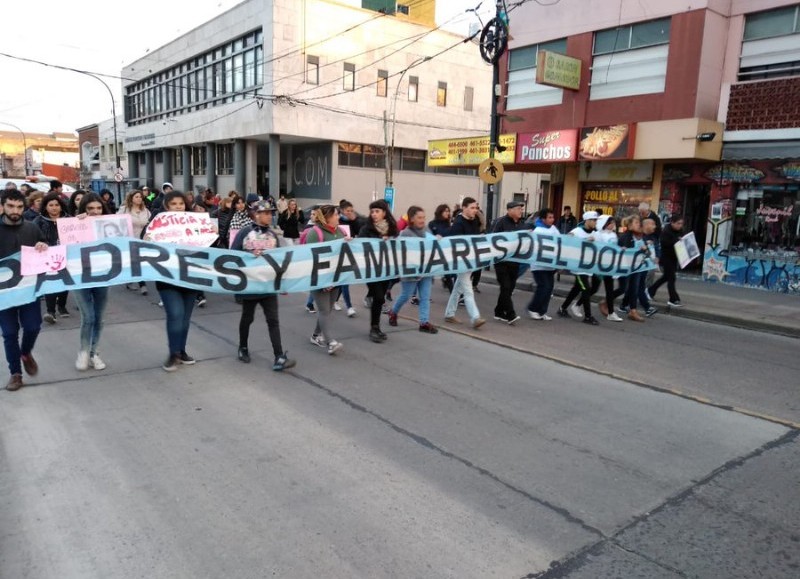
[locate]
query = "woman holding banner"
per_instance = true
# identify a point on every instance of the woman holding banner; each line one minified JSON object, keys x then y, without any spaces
{"x":380,"y":225}
{"x":140,"y":217}
{"x":178,"y":302}
{"x":53,"y":209}
{"x":91,"y":301}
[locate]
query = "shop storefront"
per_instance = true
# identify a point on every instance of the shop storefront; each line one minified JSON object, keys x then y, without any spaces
{"x":754,"y":225}
{"x":616,"y":187}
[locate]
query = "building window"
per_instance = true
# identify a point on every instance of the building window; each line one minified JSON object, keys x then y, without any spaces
{"x":198,"y":156}
{"x":350,"y":155}
{"x":374,"y":157}
{"x":159,"y":156}
{"x":771,"y":44}
{"x":225,"y":159}
{"x":412,"y":160}
{"x":177,"y":162}
{"x":522,"y":91}
{"x":469,"y":93}
{"x":383,"y":83}
{"x":630,"y":60}
{"x":441,"y":94}
{"x":349,"y":76}
{"x":413,"y":89}
{"x":312,"y":69}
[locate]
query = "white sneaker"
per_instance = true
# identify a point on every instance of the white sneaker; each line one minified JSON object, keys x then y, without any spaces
{"x":97,"y":363}
{"x":82,"y":363}
{"x":351,"y":312}
{"x":337,"y":306}
{"x":334,"y":346}
{"x":546,"y":318}
{"x":160,"y":304}
{"x":318,"y":340}
{"x":534,"y":315}
{"x":613,"y":317}
{"x":576,"y":310}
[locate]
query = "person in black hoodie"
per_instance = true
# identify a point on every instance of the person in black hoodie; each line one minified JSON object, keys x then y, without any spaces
{"x":53,"y":209}
{"x":508,"y":272}
{"x":670,"y":235}
{"x":14,"y":233}
{"x":259,"y":238}
{"x":381,"y":225}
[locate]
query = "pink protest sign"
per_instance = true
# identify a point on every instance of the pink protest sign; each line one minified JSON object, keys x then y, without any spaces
{"x":231,"y":236}
{"x":183,"y":228}
{"x":86,"y":229}
{"x":34,"y":262}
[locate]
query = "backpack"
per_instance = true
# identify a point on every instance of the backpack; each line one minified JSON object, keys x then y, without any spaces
{"x":304,"y":235}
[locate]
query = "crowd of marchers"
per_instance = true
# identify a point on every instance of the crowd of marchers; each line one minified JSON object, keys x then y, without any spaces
{"x":258,"y":224}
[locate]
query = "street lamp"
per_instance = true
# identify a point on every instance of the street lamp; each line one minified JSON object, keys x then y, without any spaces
{"x":24,"y":144}
{"x":117,"y":169}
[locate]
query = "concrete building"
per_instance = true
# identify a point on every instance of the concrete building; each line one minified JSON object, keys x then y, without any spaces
{"x":52,"y":154}
{"x":307,"y":98}
{"x":692,"y":106}
{"x":99,"y":150}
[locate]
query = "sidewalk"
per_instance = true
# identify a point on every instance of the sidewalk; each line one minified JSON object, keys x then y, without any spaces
{"x":711,"y":302}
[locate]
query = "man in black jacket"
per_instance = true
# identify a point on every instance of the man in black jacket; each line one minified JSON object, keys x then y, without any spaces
{"x":567,"y":222}
{"x":669,"y":261}
{"x":14,"y":233}
{"x":508,"y":271}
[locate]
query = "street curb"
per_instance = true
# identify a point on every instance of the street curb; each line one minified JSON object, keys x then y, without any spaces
{"x":688,"y":313}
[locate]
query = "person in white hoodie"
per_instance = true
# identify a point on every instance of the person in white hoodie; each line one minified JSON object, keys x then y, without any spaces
{"x":543,"y":275}
{"x":607,"y":233}
{"x":584,"y":283}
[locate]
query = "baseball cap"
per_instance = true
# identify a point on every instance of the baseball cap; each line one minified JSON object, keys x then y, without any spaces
{"x":167,"y":184}
{"x":513,"y":204}
{"x":260,"y":206}
{"x":590,"y":215}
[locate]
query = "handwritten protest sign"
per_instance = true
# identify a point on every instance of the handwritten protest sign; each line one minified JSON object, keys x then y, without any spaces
{"x":34,"y":262}
{"x":73,"y":230}
{"x":195,"y":229}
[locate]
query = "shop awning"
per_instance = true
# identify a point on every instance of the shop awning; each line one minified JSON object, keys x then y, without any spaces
{"x":764,"y":150}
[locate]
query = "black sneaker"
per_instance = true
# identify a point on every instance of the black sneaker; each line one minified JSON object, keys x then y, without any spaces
{"x":171,"y":364}
{"x":375,"y":335}
{"x":311,"y":309}
{"x":186,"y":358}
{"x":414,"y":301}
{"x":388,"y":296}
{"x":244,"y":355}
{"x":63,"y":313}
{"x":283,"y":362}
{"x":651,"y":311}
{"x":562,"y":313}
{"x":50,"y":317}
{"x":591,"y":321}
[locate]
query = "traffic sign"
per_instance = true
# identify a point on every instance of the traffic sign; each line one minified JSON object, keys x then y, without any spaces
{"x":491,"y":171}
{"x":118,"y":177}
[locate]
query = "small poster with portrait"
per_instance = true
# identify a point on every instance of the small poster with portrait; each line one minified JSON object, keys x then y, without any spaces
{"x":73,"y":230}
{"x":687,"y":249}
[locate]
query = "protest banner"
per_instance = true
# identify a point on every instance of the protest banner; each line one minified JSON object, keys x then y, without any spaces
{"x":182,"y":227}
{"x":303,"y":268}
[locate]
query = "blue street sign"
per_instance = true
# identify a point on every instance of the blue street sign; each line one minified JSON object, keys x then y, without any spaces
{"x":388,"y":196}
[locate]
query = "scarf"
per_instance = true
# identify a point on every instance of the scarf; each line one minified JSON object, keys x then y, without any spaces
{"x":382,"y":227}
{"x":421,"y":232}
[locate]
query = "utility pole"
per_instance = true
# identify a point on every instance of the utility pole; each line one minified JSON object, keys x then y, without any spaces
{"x":493,"y":43}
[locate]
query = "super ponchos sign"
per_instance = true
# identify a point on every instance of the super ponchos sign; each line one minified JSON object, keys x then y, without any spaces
{"x":309,"y":267}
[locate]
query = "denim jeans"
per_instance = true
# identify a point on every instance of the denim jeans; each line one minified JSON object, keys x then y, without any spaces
{"x":178,"y":305}
{"x":462,"y":286}
{"x":29,"y":318}
{"x":344,"y":292}
{"x":631,"y":299}
{"x":423,"y":290}
{"x":92,"y":304}
{"x":545,"y":280}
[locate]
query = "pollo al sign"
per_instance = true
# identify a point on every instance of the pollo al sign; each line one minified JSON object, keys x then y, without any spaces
{"x":547,"y":147}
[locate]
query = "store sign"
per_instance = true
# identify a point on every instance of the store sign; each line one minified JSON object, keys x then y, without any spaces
{"x":469,"y":151}
{"x":617,"y":172}
{"x":607,"y":142}
{"x":548,"y":147}
{"x":554,"y":69}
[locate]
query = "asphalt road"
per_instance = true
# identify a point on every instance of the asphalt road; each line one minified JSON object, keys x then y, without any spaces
{"x":664,"y":449}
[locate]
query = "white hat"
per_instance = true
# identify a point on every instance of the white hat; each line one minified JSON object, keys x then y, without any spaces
{"x":590,"y":215}
{"x":602,"y":221}
{"x":167,"y":184}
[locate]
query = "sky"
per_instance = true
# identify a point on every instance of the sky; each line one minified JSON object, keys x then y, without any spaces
{"x":91,"y":35}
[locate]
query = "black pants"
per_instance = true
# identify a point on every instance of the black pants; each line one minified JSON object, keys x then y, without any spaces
{"x":53,"y":301}
{"x":270,"y":306}
{"x":507,"y":280}
{"x":670,"y":274}
{"x":377,"y":291}
{"x":583,"y":286}
{"x":476,"y":277}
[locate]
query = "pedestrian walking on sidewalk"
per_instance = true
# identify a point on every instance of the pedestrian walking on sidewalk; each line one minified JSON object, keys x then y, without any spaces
{"x":583,"y":282}
{"x":543,"y":275}
{"x":465,"y":224}
{"x":508,"y":271}
{"x":91,"y":301}
{"x":380,"y":225}
{"x":421,"y":285}
{"x":670,"y":235}
{"x":259,"y":238}
{"x":14,"y":233}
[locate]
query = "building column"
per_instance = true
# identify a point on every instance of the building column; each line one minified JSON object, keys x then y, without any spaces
{"x":186,"y":153}
{"x":211,"y":166}
{"x":168,"y":153}
{"x":275,"y":166}
{"x":133,"y":168}
{"x":240,"y":166}
{"x":150,"y":168}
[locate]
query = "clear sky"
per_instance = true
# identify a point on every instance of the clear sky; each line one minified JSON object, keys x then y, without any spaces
{"x":100,"y":37}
